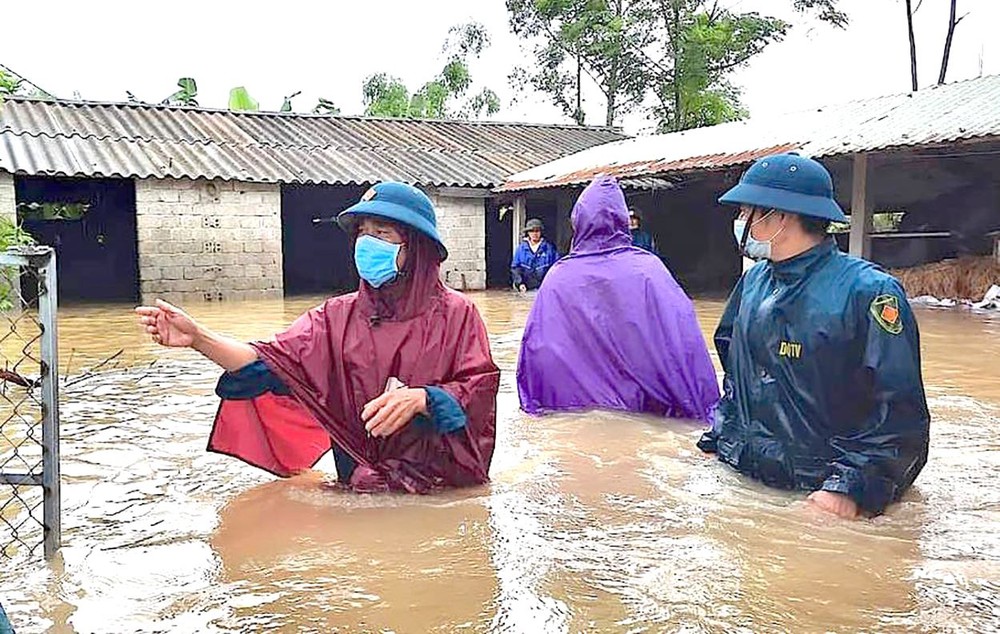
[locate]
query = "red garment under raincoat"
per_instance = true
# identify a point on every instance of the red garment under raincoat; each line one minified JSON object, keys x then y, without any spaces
{"x":339,"y":356}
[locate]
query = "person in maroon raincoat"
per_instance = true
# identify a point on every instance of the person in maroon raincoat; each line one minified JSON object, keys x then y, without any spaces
{"x":397,"y":379}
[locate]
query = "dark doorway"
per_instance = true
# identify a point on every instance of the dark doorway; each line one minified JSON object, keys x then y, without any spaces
{"x":317,"y":253}
{"x":91,"y":225}
{"x":499,"y":249}
{"x":499,"y":240}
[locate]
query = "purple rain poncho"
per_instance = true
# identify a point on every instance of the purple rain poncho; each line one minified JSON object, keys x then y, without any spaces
{"x":611,"y":329}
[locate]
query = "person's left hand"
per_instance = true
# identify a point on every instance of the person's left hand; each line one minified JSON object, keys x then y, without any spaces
{"x":836,"y":503}
{"x":393,"y":410}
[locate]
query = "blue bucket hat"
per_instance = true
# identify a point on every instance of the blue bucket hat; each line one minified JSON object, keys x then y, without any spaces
{"x":789,"y":183}
{"x":400,"y":203}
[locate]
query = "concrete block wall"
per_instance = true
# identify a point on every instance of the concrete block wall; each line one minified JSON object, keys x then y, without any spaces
{"x":8,"y":204}
{"x":208,"y":240}
{"x":462,"y":223}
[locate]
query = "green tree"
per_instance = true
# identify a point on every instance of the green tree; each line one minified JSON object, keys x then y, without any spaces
{"x":703,"y":48}
{"x":387,"y":96}
{"x":669,"y":57}
{"x":601,"y":40}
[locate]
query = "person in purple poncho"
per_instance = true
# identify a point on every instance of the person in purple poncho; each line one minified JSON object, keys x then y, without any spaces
{"x":611,"y":329}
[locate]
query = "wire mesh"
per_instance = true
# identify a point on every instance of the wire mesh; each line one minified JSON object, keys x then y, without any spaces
{"x":25,"y":449}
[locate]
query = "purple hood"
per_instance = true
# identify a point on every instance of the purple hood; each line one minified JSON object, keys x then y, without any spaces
{"x":611,"y":329}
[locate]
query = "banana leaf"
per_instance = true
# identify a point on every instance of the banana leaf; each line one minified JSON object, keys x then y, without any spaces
{"x":240,"y":99}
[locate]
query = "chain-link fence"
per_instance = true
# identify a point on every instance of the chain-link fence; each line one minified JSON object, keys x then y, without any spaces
{"x":29,"y":403}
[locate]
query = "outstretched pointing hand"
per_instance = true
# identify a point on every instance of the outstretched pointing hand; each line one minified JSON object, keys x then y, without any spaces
{"x":168,"y":325}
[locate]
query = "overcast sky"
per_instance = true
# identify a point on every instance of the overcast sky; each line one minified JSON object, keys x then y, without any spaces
{"x":103,"y":48}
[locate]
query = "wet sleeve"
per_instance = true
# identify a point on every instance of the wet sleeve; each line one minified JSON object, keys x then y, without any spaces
{"x":880,"y":461}
{"x":446,"y":414}
{"x":708,"y":442}
{"x":724,"y":331}
{"x":300,"y":356}
{"x":472,"y":384}
{"x":551,"y":257}
{"x":516,"y":266}
{"x":250,"y":381}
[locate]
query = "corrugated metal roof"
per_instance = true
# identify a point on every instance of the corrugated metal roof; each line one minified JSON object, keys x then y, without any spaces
{"x":63,"y":138}
{"x":959,"y":111}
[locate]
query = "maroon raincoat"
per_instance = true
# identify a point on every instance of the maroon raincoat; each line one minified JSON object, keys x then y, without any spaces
{"x":339,"y":356}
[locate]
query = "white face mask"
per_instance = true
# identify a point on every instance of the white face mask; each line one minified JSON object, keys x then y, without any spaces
{"x":754,"y":249}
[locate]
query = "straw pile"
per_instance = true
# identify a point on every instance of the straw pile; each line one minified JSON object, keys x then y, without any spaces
{"x":965,"y":278}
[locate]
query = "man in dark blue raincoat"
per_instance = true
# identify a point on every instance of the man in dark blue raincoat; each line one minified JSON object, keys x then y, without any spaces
{"x":533,"y":258}
{"x":822,"y":389}
{"x":640,"y":237}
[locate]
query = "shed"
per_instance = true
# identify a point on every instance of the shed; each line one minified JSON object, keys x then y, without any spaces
{"x":929,"y":158}
{"x":194,"y":203}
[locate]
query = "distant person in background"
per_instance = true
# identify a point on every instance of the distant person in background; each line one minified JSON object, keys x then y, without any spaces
{"x":640,"y":237}
{"x":533,"y":258}
{"x":611,"y":329}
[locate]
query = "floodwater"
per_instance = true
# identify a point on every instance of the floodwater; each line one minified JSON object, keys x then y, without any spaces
{"x":593,"y":523}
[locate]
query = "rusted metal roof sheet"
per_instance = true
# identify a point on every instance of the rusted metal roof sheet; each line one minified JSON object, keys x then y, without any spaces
{"x":59,"y":138}
{"x":943,"y":114}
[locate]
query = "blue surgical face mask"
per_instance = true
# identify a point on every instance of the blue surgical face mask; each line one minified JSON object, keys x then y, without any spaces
{"x":754,"y":249}
{"x":376,"y":260}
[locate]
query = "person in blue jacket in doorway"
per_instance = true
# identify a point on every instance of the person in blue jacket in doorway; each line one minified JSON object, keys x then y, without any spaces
{"x":533,"y":258}
{"x":822,"y":389}
{"x":640,"y":237}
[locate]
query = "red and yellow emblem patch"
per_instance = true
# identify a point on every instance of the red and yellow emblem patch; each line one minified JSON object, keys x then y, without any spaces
{"x":885,"y":310}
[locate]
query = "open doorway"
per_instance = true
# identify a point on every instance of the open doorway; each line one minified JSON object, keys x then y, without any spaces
{"x":499,"y":239}
{"x":91,"y":224}
{"x":317,"y":253}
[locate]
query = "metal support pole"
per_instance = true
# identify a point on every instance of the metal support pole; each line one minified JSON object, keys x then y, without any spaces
{"x":861,"y":209}
{"x":48,"y":303}
{"x":519,"y":220}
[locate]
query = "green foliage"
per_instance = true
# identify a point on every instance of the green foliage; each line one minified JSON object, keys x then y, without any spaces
{"x":486,"y":101}
{"x":52,"y":211}
{"x":286,"y":104}
{"x":325,"y":106}
{"x":9,"y":84}
{"x":11,"y":235}
{"x":439,"y":98}
{"x":240,"y":99}
{"x":385,"y":96}
{"x":602,"y":40}
{"x":826,"y":10}
{"x":706,"y":49}
{"x":671,"y":59}
{"x":186,"y":96}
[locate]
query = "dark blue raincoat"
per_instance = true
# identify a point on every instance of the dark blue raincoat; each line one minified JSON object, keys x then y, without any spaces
{"x":822,"y":387}
{"x":644,"y":240}
{"x":530,"y":267}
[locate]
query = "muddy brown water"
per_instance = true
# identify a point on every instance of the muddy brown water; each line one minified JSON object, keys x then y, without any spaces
{"x":593,"y":523}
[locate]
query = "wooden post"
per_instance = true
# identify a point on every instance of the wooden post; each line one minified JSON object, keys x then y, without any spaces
{"x":519,"y":219}
{"x":861,"y":209}
{"x":564,"y":227}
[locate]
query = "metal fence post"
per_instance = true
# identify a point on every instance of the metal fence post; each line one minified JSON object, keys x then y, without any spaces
{"x":48,"y":304}
{"x":29,"y":343}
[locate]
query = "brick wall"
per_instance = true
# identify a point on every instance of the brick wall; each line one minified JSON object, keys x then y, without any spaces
{"x":462,"y":223}
{"x":7,"y":202}
{"x":208,"y":240}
